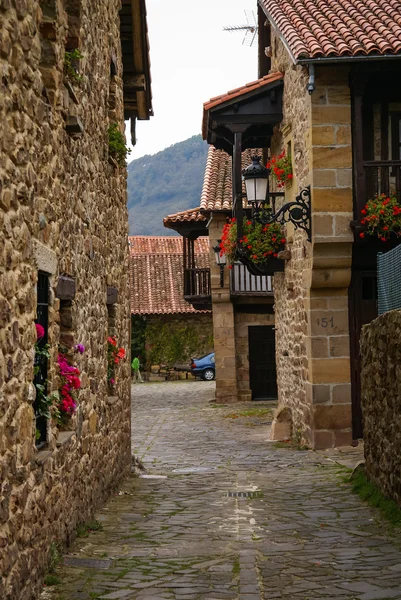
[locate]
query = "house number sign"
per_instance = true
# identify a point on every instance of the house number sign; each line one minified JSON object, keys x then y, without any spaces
{"x":325,"y":322}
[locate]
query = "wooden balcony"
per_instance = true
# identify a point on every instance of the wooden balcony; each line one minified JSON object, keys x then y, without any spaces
{"x":197,"y":289}
{"x":244,"y":284}
{"x":382,"y":177}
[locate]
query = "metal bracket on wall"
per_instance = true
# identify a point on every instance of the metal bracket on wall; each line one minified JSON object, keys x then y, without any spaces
{"x":297,"y":212}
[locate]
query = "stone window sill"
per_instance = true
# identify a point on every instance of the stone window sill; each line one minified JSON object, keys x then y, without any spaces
{"x":42,"y":456}
{"x":62,"y":439}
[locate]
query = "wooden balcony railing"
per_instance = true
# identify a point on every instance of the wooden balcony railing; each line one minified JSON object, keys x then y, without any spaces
{"x":197,"y":283}
{"x":243,"y":283}
{"x":383,"y":177}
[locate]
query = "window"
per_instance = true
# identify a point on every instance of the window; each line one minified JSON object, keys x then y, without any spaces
{"x":41,"y":366}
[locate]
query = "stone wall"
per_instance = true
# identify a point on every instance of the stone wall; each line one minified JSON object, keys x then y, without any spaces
{"x":381,"y":402}
{"x":311,"y":305}
{"x":223,"y":322}
{"x":290,"y":288}
{"x":62,"y":211}
{"x":177,"y":338}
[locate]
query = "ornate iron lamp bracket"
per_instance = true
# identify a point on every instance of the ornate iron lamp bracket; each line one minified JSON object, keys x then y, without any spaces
{"x":297,"y":212}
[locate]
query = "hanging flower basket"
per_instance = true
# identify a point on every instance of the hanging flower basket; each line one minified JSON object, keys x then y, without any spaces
{"x":257,"y":249}
{"x":381,"y":218}
{"x":281,"y":169}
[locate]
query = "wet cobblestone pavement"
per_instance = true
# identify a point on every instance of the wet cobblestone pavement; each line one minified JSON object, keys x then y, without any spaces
{"x":223,"y":514}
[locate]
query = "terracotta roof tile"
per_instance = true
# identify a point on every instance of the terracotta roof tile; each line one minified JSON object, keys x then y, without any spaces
{"x":245,"y":89}
{"x":156,"y":274}
{"x":217,"y":183}
{"x":324,"y":28}
{"x":187,"y":216}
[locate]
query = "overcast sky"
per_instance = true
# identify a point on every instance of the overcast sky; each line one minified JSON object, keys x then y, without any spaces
{"x":192,"y":61}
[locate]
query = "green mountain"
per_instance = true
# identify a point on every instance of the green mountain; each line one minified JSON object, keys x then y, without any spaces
{"x":165,"y":183}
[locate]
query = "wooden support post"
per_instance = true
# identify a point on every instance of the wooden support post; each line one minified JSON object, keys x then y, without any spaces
{"x":237,"y":182}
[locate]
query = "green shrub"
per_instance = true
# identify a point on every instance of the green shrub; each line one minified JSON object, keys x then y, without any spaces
{"x":52,"y":580}
{"x":70,"y":64}
{"x":117,"y":147}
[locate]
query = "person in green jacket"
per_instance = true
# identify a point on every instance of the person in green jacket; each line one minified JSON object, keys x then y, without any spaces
{"x":136,"y":372}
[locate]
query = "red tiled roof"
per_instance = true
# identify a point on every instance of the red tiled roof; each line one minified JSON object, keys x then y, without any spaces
{"x":241,"y":91}
{"x":156,"y":274}
{"x":187,"y":216}
{"x":217,"y":183}
{"x":245,"y":89}
{"x":324,"y":28}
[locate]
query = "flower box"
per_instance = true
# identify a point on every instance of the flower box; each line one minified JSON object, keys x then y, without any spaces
{"x":269,"y":267}
{"x":381,"y":219}
{"x":258,"y":247}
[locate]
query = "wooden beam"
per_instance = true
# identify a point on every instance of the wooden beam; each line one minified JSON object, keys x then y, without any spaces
{"x":237,"y":182}
{"x":135,"y":82}
{"x":137,"y":35}
{"x":142,"y":105}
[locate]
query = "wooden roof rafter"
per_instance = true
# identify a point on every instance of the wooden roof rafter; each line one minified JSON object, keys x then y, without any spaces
{"x":136,"y":61}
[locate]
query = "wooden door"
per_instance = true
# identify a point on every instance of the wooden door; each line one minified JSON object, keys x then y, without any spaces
{"x":262,"y":362}
{"x":362,"y":310}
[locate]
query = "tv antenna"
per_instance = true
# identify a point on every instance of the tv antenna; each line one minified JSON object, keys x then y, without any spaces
{"x":251,"y":28}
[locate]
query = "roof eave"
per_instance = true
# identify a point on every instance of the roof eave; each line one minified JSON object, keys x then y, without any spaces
{"x":347,"y":58}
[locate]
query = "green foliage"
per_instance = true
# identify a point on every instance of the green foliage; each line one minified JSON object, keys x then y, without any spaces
{"x":174,"y":342}
{"x":70,"y":64}
{"x":54,"y":557}
{"x":236,"y":568}
{"x":44,"y":401}
{"x":117,"y":147}
{"x":138,"y":337}
{"x":41,"y":352}
{"x":164,"y":183}
{"x":368,"y":491}
{"x":84,"y":529}
{"x":52,"y":580}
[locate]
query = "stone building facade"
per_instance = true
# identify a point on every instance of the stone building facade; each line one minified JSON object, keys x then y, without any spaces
{"x":333,"y":104}
{"x":63,"y":263}
{"x":311,"y":296}
{"x":232,"y":320}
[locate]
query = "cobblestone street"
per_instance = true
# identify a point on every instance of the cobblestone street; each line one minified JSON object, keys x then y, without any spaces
{"x":222,"y":513}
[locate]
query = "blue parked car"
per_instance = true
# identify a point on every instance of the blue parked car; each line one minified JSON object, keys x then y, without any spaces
{"x":204,"y":367}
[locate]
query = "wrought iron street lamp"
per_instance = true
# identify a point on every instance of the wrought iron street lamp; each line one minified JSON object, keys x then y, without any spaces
{"x":256,"y":178}
{"x":298,"y":212}
{"x":221,"y":261}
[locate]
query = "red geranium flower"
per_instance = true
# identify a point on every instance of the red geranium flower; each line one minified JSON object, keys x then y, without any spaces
{"x":40,"y":332}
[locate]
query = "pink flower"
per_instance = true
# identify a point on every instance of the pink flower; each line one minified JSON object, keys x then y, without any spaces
{"x":79,"y":348}
{"x":112,"y":382}
{"x":40,"y":332}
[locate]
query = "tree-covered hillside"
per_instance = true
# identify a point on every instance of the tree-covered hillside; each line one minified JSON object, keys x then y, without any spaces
{"x":165,"y":183}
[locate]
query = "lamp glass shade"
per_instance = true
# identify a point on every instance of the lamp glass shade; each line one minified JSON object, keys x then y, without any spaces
{"x":256,"y":189}
{"x":222,"y":259}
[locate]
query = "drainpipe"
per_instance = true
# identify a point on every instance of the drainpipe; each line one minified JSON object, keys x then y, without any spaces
{"x":311,"y":83}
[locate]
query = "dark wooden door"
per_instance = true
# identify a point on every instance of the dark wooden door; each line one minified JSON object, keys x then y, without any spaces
{"x":362,"y":310}
{"x":262,"y":362}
